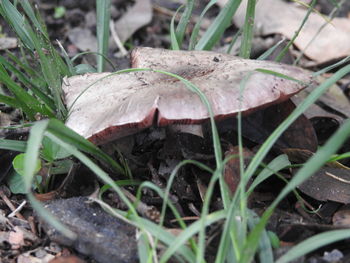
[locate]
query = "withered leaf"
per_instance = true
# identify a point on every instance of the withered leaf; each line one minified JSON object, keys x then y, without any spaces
{"x":328,"y":184}
{"x":277,"y":16}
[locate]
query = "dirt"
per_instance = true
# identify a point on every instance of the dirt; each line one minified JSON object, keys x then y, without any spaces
{"x":153,"y":154}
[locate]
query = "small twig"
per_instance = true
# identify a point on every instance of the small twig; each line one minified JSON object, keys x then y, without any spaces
{"x":149,"y":211}
{"x":10,"y":205}
{"x":18,"y":209}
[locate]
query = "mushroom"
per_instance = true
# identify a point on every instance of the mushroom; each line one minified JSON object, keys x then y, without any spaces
{"x":122,"y":104}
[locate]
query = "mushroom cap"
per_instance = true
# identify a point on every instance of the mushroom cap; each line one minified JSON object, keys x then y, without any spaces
{"x":122,"y":104}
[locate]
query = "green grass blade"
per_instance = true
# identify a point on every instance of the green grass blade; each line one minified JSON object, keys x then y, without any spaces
{"x":191,"y":230}
{"x":286,"y":48}
{"x":103,"y":15}
{"x":333,"y":66}
{"x":68,"y":61}
{"x":217,"y":28}
{"x":10,"y":101}
{"x":13,"y":145}
{"x":50,"y":67}
{"x":195,"y":31}
{"x":31,"y":14}
{"x":18,"y":22}
{"x":277,"y":164}
{"x":233,"y":41}
{"x":58,"y":129}
{"x":28,"y":83}
{"x":173,"y":39}
{"x":248,"y":30}
{"x":32,"y":153}
{"x":27,"y":103}
{"x":265,"y":248}
{"x":314,"y":243}
{"x":184,"y":20}
{"x":268,"y":52}
{"x":26,"y":68}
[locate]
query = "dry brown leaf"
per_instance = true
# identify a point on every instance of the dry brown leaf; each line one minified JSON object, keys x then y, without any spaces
{"x":276,"y":16}
{"x":120,"y":105}
{"x":139,"y":15}
{"x":328,"y":184}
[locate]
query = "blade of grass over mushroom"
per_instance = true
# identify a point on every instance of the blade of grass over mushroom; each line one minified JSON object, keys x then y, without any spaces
{"x":253,"y":237}
{"x":184,"y":20}
{"x":217,"y":28}
{"x":175,"y":45}
{"x":103,"y":15}
{"x":280,"y":75}
{"x":248,"y":30}
{"x":195,"y":31}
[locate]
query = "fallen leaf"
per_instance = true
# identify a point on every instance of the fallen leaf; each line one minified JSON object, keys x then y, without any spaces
{"x":139,"y":15}
{"x":119,"y":105}
{"x":83,"y":39}
{"x":328,"y":184}
{"x":279,"y":17}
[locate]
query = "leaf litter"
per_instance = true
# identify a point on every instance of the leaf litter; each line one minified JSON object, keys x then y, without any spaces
{"x":154,"y":152}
